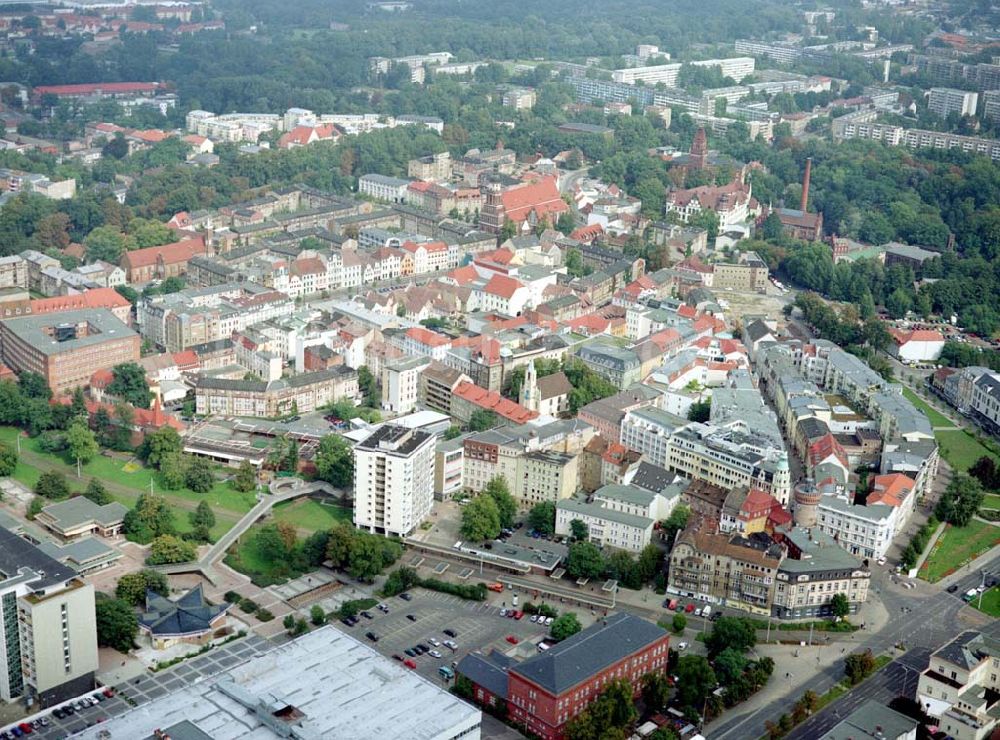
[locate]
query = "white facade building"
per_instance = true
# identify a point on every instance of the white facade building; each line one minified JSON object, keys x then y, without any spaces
{"x":393,"y":480}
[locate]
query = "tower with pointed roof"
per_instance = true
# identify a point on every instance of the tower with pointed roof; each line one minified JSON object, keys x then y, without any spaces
{"x":782,"y":486}
{"x":528,"y":397}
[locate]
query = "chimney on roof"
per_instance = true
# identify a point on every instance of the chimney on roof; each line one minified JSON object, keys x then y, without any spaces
{"x":805,"y":184}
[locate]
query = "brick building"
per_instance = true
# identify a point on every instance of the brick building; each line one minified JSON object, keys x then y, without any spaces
{"x":543,"y":693}
{"x":67,"y":348}
{"x":169,"y":260}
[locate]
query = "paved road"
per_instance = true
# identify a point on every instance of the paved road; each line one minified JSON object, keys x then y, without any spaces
{"x":920,"y":619}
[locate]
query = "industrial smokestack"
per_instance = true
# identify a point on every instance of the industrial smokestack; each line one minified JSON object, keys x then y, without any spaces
{"x":805,"y":185}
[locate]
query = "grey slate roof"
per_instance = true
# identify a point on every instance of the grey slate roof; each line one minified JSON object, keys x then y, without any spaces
{"x":652,"y":477}
{"x":588,"y":652}
{"x":969,"y":649}
{"x":872,"y":720}
{"x":189,"y":614}
{"x":488,"y":671}
{"x":17,"y":553}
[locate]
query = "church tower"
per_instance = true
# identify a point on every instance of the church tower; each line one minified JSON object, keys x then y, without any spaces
{"x":699,"y":150}
{"x":782,"y":485}
{"x":493,"y":214}
{"x":529,"y":388}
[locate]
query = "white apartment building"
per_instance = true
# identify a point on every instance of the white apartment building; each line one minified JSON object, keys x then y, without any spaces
{"x":48,"y":648}
{"x":648,"y":431}
{"x":665,"y":73}
{"x":393,"y":480}
{"x":383,"y":187}
{"x":960,"y":684}
{"x":401,"y":383}
{"x":605,"y":527}
{"x":736,"y":67}
{"x":943,"y":101}
{"x":865,"y":531}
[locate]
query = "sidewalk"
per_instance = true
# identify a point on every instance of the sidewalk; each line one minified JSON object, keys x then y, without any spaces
{"x":930,"y":547}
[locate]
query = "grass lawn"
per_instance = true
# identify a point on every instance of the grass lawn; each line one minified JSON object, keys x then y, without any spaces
{"x":956,"y":546}
{"x":127,"y":476}
{"x":990,"y":604}
{"x":992,"y":501}
{"x":936,"y":418}
{"x":311,"y":515}
{"x":248,"y":560}
{"x":961,"y":449}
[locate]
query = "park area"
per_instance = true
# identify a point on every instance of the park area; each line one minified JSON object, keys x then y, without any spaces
{"x":936,"y":418}
{"x":957,"y":546}
{"x":961,"y":449}
{"x":125,"y":480}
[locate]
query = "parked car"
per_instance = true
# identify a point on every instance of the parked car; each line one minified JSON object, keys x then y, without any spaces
{"x":409,"y":664}
{"x":450,"y":632}
{"x":498,"y":587}
{"x":682,"y":646}
{"x":411,"y":617}
{"x":434,"y":653}
{"x":433,"y":641}
{"x":518,"y":614}
{"x":549,"y":621}
{"x":534,"y":617}
{"x":367,"y":615}
{"x":371,"y":636}
{"x":952,"y":588}
{"x":397,"y":656}
{"x":405,"y":596}
{"x":411,"y":652}
{"x":382,"y":608}
{"x":503,"y":612}
{"x":512,"y":640}
{"x":423,"y":648}
{"x":689,"y":608}
{"x":451,"y":645}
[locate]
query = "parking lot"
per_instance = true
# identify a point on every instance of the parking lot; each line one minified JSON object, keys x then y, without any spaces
{"x":152,"y":686}
{"x":478,"y":626}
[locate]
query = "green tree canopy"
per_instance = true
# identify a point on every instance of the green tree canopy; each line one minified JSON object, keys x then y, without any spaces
{"x":480,"y":519}
{"x":128,"y":382}
{"x":117,"y":624}
{"x":584,"y":560}
{"x":565,"y":625}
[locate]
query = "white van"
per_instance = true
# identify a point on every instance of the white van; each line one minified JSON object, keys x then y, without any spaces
{"x":697,"y":612}
{"x":706,"y":611}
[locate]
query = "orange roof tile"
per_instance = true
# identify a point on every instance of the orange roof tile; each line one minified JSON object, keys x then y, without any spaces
{"x":493,"y":401}
{"x":427,"y":337}
{"x":108,"y":298}
{"x":541,"y":196}
{"x":180,"y":251}
{"x":503,"y":286}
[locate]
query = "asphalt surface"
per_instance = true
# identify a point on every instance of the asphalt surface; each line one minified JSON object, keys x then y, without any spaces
{"x":919,"y":621}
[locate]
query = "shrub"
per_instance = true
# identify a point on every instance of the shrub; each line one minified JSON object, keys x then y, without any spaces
{"x":264,"y":615}
{"x":232,"y":597}
{"x":470,"y":591}
{"x":248,"y":606}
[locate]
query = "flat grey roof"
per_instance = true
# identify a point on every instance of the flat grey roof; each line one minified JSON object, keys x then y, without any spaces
{"x":79,"y":510}
{"x":17,"y":553}
{"x":31,"y":329}
{"x":324,"y":684}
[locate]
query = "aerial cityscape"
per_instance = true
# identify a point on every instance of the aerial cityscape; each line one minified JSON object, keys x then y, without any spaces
{"x":433,"y":370}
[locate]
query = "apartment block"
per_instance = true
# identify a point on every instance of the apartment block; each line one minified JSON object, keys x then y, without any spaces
{"x":393,"y":480}
{"x":943,"y":101}
{"x":961,"y":687}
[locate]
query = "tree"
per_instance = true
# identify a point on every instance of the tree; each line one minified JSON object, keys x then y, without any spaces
{"x":695,"y":679}
{"x":737,"y":633}
{"x":542,"y":517}
{"x":566,"y":223}
{"x":481,"y":420}
{"x":117,"y":624}
{"x":80,"y":440}
{"x":52,"y":485}
{"x":729,"y":665}
{"x":650,"y":562}
{"x":700,"y":411}
{"x":162,"y":443}
{"x":270,"y":544}
{"x":317,"y":616}
{"x":986,"y":472}
{"x":199,"y":476}
{"x":584,"y":560}
{"x":579,"y":530}
{"x":173,"y":471}
{"x":78,"y":405}
{"x":35,"y":507}
{"x":128,"y":382}
{"x":480,"y":519}
{"x":621,"y":566}
{"x":97,"y":493}
{"x":960,"y":501}
{"x":453,"y":431}
{"x":506,"y":505}
{"x":772,"y":228}
{"x":655,"y":690}
{"x":338,"y":544}
{"x":8,"y":460}
{"x":170,"y":549}
{"x":202,"y":518}
{"x":132,"y":587}
{"x":34,"y":385}
{"x":366,"y":558}
{"x":288,"y":623}
{"x":840,"y":606}
{"x":149,"y":518}
{"x":679,"y":623}
{"x":858,"y":666}
{"x":565,"y":625}
{"x":334,"y":461}
{"x":245,"y":479}
{"x":105,"y":243}
{"x":676,"y":522}
{"x":291,"y":461}
{"x":368,"y":386}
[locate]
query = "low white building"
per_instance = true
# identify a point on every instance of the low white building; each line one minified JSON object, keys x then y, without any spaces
{"x":865,"y":531}
{"x":916,"y":346}
{"x":605,"y":527}
{"x":382,"y":187}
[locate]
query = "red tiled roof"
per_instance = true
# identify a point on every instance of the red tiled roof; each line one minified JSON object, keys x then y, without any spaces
{"x":890,"y":489}
{"x":427,"y":337}
{"x":493,"y":401}
{"x":94,"y":298}
{"x":307,"y":266}
{"x":114,"y":88}
{"x":464,"y":275}
{"x":186,"y":360}
{"x":503,"y":286}
{"x":713,"y":197}
{"x":824,"y":447}
{"x":918,"y":335}
{"x":587,"y":233}
{"x":542,"y":197}
{"x":101,"y":379}
{"x":180,"y":251}
{"x":302,"y":135}
{"x":688,"y":312}
{"x":153,"y":135}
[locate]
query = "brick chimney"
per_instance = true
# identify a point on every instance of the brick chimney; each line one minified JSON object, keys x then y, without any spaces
{"x":805,"y":185}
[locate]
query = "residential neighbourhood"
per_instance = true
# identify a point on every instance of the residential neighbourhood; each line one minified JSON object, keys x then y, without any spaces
{"x":407,"y":370}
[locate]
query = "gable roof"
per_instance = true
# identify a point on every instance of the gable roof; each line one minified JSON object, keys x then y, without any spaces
{"x":587,"y":653}
{"x":94,"y":298}
{"x":541,"y":197}
{"x":181,"y":251}
{"x":493,"y":401}
{"x":556,"y":384}
{"x":502,"y":286}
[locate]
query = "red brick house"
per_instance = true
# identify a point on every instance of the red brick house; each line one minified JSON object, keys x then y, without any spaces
{"x":143,"y":265}
{"x":543,"y":693}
